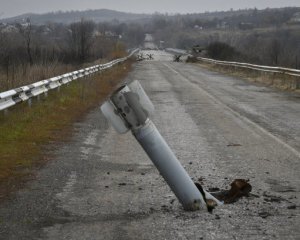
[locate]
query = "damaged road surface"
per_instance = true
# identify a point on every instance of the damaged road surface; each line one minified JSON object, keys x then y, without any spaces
{"x":101,"y":185}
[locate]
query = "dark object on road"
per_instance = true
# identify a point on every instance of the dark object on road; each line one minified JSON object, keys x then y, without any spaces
{"x":140,"y":57}
{"x":213,"y":189}
{"x":150,"y":56}
{"x":234,"y":145}
{"x":292,"y":206}
{"x":177,"y":58}
{"x":239,"y":188}
{"x":264,"y":214}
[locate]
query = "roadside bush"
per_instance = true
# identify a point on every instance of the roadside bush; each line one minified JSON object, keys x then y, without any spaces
{"x":221,"y":51}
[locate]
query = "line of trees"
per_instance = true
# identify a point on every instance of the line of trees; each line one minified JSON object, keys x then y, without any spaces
{"x":28,"y":44}
{"x":265,"y":42}
{"x":24,"y":47}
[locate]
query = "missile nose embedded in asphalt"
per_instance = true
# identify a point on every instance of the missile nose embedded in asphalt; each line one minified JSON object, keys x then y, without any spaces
{"x":129,"y":108}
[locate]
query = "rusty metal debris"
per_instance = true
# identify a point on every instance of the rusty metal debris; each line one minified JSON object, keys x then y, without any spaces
{"x":239,"y":188}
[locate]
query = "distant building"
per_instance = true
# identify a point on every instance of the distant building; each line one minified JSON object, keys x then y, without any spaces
{"x":148,"y":37}
{"x":222,"y":25}
{"x":8,"y":29}
{"x":295,"y":18}
{"x":198,"y":27}
{"x":97,"y":33}
{"x":45,"y":30}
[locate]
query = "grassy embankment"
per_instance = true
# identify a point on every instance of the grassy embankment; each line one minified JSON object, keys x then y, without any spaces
{"x":24,"y":130}
{"x":280,"y":81}
{"x":21,"y":75}
{"x":14,"y":77}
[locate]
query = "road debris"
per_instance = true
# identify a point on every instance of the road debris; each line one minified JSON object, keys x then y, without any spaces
{"x":176,"y":58}
{"x":239,"y":188}
{"x":234,"y":145}
{"x":210,"y":203}
{"x":264,"y":214}
{"x":292,"y":207}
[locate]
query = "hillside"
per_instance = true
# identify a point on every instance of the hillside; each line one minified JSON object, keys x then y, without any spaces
{"x":100,"y":15}
{"x":233,"y":18}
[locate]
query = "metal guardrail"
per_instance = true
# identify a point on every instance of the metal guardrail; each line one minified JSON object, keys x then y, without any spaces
{"x":282,"y":70}
{"x":12,"y":97}
{"x":176,"y":51}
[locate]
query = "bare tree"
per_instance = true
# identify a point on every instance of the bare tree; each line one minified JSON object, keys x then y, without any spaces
{"x":5,"y":58}
{"x":81,"y":39}
{"x":275,"y":51}
{"x":26,"y":31}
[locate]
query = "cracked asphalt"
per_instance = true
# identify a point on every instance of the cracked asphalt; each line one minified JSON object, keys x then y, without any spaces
{"x":101,"y":185}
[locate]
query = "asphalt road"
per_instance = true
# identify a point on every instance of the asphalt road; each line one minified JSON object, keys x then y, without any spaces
{"x":101,"y":185}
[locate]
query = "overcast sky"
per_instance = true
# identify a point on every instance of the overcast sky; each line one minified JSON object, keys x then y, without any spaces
{"x":10,"y":8}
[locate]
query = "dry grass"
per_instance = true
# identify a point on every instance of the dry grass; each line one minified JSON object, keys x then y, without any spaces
{"x":280,"y":81}
{"x":24,"y":75}
{"x":24,"y":130}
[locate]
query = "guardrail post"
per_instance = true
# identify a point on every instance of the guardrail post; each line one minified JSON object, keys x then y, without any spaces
{"x":30,"y":102}
{"x":129,"y":108}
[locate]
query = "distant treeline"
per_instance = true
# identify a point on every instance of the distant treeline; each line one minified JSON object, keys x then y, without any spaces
{"x":32,"y":52}
{"x":270,"y":37}
{"x":79,"y":42}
